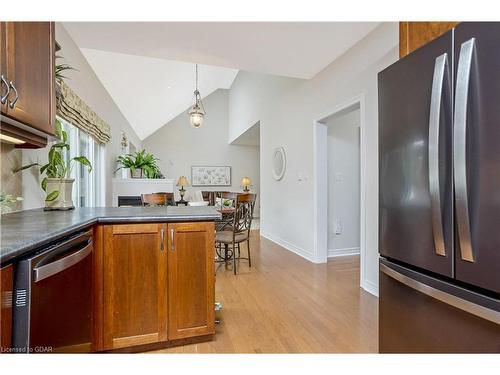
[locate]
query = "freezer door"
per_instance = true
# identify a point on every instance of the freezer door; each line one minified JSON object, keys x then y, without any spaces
{"x":421,"y":314}
{"x":415,"y":158}
{"x":477,"y":154}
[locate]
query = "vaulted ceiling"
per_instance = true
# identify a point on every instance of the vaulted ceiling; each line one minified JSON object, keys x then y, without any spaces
{"x":148,"y":67}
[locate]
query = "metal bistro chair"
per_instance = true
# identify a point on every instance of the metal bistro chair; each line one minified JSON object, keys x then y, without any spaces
{"x":239,"y":231}
{"x":157,"y":199}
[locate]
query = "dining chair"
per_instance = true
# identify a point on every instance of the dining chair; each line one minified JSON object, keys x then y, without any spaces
{"x":209,"y":196}
{"x":157,"y":199}
{"x":239,"y":230}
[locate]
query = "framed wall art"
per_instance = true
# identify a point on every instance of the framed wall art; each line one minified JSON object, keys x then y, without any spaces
{"x":210,"y":176}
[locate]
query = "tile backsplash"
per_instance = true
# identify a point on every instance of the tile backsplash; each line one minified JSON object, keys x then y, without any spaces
{"x":10,"y":183}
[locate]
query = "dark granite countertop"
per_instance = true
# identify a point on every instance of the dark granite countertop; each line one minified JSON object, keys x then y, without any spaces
{"x":24,"y":231}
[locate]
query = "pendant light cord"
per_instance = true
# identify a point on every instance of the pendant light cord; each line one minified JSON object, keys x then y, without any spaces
{"x":196,"y":77}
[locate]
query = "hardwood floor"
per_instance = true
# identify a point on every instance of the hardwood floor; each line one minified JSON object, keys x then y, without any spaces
{"x":285,"y":304}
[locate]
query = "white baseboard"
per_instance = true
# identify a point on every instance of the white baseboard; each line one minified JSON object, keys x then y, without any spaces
{"x":289,"y":246}
{"x":343,"y":252}
{"x":370,"y":287}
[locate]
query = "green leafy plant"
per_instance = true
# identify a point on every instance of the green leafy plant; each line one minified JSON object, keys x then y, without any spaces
{"x":60,"y":68}
{"x":57,"y":166}
{"x":141,"y":160}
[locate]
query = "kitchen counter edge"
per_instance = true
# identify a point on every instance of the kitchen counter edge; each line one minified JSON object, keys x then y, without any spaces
{"x":81,"y":218}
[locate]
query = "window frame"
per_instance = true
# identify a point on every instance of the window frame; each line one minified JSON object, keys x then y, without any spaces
{"x":95,"y":182}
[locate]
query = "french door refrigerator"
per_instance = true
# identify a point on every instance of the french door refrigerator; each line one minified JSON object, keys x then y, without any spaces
{"x":439,"y":195}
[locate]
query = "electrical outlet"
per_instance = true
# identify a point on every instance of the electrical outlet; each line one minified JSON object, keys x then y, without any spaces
{"x":338,"y":226}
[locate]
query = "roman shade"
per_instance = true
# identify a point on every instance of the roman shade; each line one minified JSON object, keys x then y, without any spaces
{"x":74,"y":110}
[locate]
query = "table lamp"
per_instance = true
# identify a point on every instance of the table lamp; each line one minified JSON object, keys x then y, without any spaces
{"x":183,"y":181}
{"x":245,"y":184}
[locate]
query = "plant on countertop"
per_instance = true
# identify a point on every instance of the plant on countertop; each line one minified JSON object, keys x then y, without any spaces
{"x":57,"y":167}
{"x":140,"y":161}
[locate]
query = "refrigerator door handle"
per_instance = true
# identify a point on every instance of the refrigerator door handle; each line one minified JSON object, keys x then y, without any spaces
{"x":460,"y":150}
{"x":434,"y":121}
{"x":449,"y":299}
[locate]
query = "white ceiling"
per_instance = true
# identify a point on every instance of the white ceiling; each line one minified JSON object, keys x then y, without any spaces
{"x":137,"y":62}
{"x":150,"y":92}
{"x":251,"y":137}
{"x":294,"y":49}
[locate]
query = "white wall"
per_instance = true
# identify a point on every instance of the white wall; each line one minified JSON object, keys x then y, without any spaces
{"x":251,"y":95}
{"x":179,"y":146}
{"x":343,"y":183}
{"x":287,"y":120}
{"x":84,"y":83}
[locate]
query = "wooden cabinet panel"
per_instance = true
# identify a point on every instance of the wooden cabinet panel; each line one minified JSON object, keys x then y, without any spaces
{"x":134,"y":285}
{"x":6,"y":281}
{"x":28,"y":51}
{"x":413,"y":35}
{"x":3,"y":63}
{"x":27,"y":54}
{"x":191,"y":280}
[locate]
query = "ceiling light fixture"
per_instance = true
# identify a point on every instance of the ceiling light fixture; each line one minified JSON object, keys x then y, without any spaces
{"x":197,"y":112}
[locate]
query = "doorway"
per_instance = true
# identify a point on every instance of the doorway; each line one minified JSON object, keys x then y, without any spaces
{"x":343,"y":171}
{"x":251,"y":139}
{"x":339,"y":189}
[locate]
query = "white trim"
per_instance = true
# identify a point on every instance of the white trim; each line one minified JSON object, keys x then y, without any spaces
{"x":101,"y":176}
{"x":321,"y":189}
{"x":306,"y":254}
{"x":370,"y":287}
{"x":320,"y":219}
{"x":343,"y":252}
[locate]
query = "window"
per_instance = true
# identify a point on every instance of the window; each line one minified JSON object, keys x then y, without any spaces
{"x":88,"y":189}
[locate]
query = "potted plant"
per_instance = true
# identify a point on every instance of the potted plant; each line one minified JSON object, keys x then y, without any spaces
{"x":141,"y":165}
{"x":57,"y":184}
{"x":58,"y":72}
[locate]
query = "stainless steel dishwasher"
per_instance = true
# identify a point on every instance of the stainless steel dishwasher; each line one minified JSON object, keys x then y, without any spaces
{"x":52,"y":309}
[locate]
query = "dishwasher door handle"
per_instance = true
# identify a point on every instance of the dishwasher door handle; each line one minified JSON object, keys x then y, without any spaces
{"x":48,"y":270}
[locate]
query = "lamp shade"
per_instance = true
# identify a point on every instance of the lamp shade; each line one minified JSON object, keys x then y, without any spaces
{"x":246,"y":182}
{"x":183,"y":181}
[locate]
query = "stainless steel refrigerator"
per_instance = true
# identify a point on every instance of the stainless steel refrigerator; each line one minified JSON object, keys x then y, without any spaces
{"x":439,"y":195}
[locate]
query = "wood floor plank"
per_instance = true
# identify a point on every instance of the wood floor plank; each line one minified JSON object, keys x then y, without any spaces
{"x":285,"y":304}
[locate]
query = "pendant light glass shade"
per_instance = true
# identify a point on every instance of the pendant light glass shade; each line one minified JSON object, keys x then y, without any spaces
{"x":197,"y":112}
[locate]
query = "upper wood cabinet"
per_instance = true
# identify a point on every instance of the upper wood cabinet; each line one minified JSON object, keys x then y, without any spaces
{"x":413,"y":35}
{"x":134,"y":284}
{"x":27,"y":52}
{"x":6,"y":279}
{"x":191,"y":280}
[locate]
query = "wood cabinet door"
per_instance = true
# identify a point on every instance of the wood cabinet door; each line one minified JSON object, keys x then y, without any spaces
{"x":413,"y":35}
{"x":191,"y":280}
{"x":134,"y":285}
{"x":6,"y":280}
{"x":30,"y":66}
{"x":3,"y":64}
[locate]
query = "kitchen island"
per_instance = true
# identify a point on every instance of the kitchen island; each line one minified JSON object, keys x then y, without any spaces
{"x":150,"y":277}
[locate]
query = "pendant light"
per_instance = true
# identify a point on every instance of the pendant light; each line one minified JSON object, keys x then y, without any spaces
{"x":197,"y":112}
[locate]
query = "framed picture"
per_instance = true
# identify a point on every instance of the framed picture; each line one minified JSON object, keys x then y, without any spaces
{"x":210,"y":176}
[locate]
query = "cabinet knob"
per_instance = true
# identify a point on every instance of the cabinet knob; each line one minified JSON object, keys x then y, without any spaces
{"x":12,"y":103}
{"x":4,"y":97}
